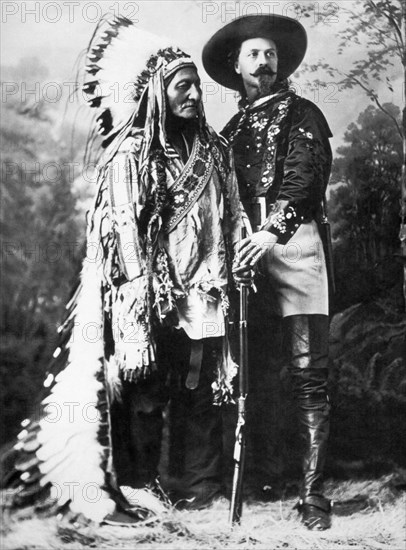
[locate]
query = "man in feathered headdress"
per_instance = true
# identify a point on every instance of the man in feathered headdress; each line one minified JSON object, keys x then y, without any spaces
{"x":175,"y":214}
{"x":164,"y":223}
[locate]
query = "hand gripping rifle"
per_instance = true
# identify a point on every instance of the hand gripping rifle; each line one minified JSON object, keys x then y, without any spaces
{"x":239,"y":446}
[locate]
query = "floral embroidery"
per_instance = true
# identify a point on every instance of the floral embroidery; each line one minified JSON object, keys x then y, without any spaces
{"x":308,"y":136}
{"x":256,"y":122}
{"x":305,"y":134}
{"x":179,"y":198}
{"x":273,"y":130}
{"x":278,"y":221}
{"x":243,"y":117}
{"x":188,"y":186}
{"x":259,"y":121}
{"x":281,"y":221}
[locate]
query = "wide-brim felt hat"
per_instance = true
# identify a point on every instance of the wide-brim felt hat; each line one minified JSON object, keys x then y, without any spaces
{"x":288,"y":34}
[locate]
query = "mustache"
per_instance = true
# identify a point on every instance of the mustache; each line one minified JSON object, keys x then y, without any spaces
{"x":263,"y":70}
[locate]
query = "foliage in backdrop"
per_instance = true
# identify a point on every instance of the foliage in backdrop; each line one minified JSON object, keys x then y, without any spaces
{"x":41,"y":238}
{"x":42,"y":233}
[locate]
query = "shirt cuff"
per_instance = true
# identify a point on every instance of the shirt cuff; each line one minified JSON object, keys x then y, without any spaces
{"x":284,"y":221}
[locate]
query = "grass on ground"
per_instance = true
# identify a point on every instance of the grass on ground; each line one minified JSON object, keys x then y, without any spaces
{"x":369,"y":515}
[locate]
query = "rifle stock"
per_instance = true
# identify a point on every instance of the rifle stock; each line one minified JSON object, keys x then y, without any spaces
{"x":239,"y":463}
{"x":240,"y":438}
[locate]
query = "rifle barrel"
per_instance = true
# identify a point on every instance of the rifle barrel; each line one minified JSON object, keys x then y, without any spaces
{"x":239,"y":448}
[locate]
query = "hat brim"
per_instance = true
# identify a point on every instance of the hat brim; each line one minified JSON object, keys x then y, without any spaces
{"x":288,"y":34}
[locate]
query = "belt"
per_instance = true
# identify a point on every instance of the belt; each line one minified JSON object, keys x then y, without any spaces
{"x":259,"y":211}
{"x":196,"y":356}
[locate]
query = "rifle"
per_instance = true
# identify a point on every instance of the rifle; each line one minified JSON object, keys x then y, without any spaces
{"x":239,"y":446}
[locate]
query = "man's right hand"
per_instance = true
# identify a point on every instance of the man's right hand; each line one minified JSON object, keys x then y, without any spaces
{"x":251,"y":249}
{"x":243,"y":275}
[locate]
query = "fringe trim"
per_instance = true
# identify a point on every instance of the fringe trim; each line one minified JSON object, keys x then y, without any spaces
{"x":226,"y":372}
{"x":227,"y":368}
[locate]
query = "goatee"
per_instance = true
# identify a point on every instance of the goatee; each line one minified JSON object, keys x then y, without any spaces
{"x":266,"y":83}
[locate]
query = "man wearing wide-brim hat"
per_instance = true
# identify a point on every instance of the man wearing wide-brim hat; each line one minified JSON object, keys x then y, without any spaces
{"x":283,"y":161}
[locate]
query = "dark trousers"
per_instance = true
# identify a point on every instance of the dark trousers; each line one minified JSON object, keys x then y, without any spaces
{"x":266,"y":404}
{"x":195,"y":425}
{"x":137,"y":424}
{"x":195,"y":456}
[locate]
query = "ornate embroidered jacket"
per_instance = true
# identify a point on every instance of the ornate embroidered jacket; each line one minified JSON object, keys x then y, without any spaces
{"x":282,"y":153}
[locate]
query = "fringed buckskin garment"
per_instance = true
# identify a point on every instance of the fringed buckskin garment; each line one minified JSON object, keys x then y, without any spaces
{"x":151,"y":303}
{"x":182,"y":271}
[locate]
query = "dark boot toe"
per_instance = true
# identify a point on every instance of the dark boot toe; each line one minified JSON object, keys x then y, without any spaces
{"x":315,"y":519}
{"x":315,"y":513}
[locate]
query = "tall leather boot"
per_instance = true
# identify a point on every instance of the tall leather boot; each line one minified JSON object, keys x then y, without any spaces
{"x":307,"y":344}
